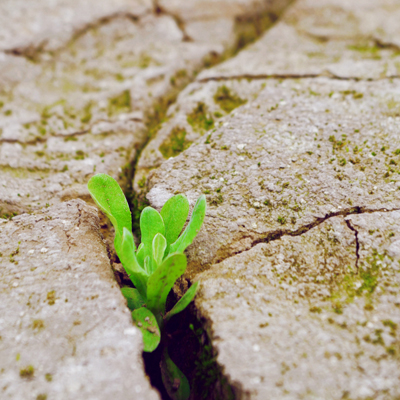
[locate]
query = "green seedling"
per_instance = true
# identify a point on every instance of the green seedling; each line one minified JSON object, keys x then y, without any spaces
{"x":154,"y":266}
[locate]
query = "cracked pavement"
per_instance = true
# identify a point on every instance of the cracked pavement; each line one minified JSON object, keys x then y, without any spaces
{"x":295,"y":142}
{"x":83,"y":84}
{"x":293,"y":139}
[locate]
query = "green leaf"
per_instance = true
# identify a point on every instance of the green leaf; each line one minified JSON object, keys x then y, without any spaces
{"x":162,"y":281}
{"x":147,"y":323}
{"x":128,"y":259}
{"x":133,"y":297}
{"x":193,"y":228}
{"x":159,"y":245}
{"x":109,"y":197}
{"x":174,"y":214}
{"x":175,"y":382}
{"x":183,"y":301}
{"x":147,"y":267}
{"x":151,"y":223}
{"x":140,"y":254}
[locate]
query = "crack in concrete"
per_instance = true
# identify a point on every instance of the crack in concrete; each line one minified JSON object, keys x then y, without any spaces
{"x":33,"y":51}
{"x":37,"y":140}
{"x":351,"y":227}
{"x":325,"y":74}
{"x":278,"y":234}
{"x":179,"y":22}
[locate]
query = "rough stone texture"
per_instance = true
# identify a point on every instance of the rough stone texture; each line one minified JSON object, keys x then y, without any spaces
{"x":335,"y":38}
{"x":80,"y":109}
{"x":295,"y":144}
{"x":49,"y":24}
{"x":306,"y":323}
{"x":62,"y":312}
{"x":294,"y":154}
{"x":78,"y":80}
{"x":219,"y":21}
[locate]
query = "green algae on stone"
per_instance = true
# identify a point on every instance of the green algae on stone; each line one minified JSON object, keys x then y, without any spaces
{"x":120,"y":103}
{"x":227,"y":100}
{"x":175,"y":143}
{"x":27,"y":372}
{"x":199,"y":118}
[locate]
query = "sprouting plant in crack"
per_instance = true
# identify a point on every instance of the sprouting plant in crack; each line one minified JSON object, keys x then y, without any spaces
{"x":154,"y":266}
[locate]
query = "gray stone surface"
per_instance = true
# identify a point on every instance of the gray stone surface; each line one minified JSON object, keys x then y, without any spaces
{"x":50,"y":24}
{"x":62,"y":313}
{"x":334,"y":38}
{"x":295,"y":144}
{"x":295,"y":318}
{"x":294,"y":154}
{"x":78,"y":81}
{"x":69,"y":111}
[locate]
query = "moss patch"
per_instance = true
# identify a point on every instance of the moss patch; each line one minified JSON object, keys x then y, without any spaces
{"x":120,"y":103}
{"x":361,"y":283}
{"x":175,"y":143}
{"x":199,"y":118}
{"x":27,"y":372}
{"x":227,"y":100}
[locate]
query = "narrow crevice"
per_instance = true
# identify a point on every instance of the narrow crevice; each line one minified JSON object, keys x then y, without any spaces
{"x":257,"y":77}
{"x":179,"y":22}
{"x":351,"y":227}
{"x":278,"y":234}
{"x":37,"y":140}
{"x":33,"y":52}
{"x":188,"y":335}
{"x":189,"y":345}
{"x":291,"y":76}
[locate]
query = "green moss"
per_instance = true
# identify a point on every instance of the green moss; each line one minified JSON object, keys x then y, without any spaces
{"x":158,"y":116}
{"x":217,"y":200}
{"x":51,"y":297}
{"x":27,"y":372}
{"x":367,"y":49}
{"x":175,"y":143}
{"x":87,"y":113}
{"x":208,"y":379}
{"x":80,"y":155}
{"x":48,"y":377}
{"x":391,"y":325}
{"x":120,"y":103}
{"x":142,"y":182}
{"x":144,"y":61}
{"x":361,"y":283}
{"x":281,"y":220}
{"x":42,"y":396}
{"x":37,"y":324}
{"x":227,"y":100}
{"x":199,"y":118}
{"x":7,"y":215}
{"x":249,"y":27}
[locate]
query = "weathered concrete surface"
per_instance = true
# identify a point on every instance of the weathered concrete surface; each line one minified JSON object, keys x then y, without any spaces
{"x":223,"y":21}
{"x":286,"y":159}
{"x":335,"y":38}
{"x":294,"y":319}
{"x":50,"y":24}
{"x":78,"y":80}
{"x":62,"y":313}
{"x":295,"y":144}
{"x":69,"y":111}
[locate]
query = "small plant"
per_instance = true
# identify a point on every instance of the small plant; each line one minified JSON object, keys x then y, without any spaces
{"x":154,"y":266}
